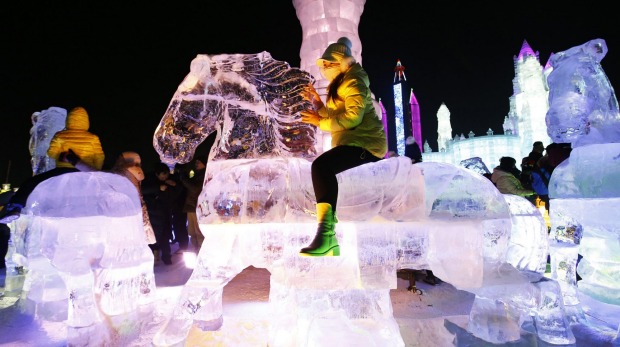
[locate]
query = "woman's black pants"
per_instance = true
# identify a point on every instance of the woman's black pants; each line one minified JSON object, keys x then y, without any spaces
{"x":332,"y":162}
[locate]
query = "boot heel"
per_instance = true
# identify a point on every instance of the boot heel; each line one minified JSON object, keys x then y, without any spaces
{"x":335,"y":252}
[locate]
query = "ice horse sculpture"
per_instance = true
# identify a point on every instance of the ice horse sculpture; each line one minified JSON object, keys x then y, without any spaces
{"x":81,"y":239}
{"x":255,"y":210}
{"x":585,"y":188}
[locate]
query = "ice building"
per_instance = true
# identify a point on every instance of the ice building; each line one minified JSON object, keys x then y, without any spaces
{"x":524,"y":124}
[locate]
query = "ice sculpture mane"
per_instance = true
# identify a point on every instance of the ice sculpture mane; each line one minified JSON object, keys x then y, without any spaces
{"x":251,"y":100}
{"x":583,"y":108}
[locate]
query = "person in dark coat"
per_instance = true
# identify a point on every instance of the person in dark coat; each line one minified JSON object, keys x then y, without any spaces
{"x":179,"y":216}
{"x":159,"y":192}
{"x":412,"y":150}
{"x":194,"y":187}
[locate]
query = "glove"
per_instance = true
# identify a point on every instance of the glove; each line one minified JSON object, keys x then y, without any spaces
{"x":69,"y":157}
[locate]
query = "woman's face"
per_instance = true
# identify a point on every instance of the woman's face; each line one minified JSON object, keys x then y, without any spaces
{"x":329,"y":70}
{"x":134,"y":164}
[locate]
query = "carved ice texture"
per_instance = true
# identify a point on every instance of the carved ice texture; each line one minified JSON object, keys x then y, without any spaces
{"x":81,"y":240}
{"x":529,"y":246}
{"x":585,"y":188}
{"x":583,"y":108}
{"x":251,"y":100}
{"x":475,"y":164}
{"x":256,"y":209}
{"x":45,"y":124}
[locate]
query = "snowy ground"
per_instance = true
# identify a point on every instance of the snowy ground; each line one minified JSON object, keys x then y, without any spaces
{"x":436,"y":317}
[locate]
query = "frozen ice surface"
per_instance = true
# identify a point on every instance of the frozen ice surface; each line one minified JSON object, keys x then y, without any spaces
{"x":475,"y":164}
{"x":591,"y":233}
{"x":529,"y":244}
{"x":280,"y":190}
{"x":84,"y":228}
{"x":591,"y":171}
{"x":45,"y":124}
{"x":585,"y":193}
{"x":583,"y":108}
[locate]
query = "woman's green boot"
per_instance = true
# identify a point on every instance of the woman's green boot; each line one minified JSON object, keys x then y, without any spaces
{"x":325,"y":243}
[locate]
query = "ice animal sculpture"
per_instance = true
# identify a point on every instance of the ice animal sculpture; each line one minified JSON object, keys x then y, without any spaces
{"x":81,"y":239}
{"x":255,"y":209}
{"x":585,"y":188}
{"x":45,"y":124}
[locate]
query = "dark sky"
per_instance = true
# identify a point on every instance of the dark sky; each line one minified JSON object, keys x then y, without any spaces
{"x":123,"y":63}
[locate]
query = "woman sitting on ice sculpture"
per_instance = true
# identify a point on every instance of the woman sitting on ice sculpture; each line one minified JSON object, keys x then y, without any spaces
{"x":357,"y":136}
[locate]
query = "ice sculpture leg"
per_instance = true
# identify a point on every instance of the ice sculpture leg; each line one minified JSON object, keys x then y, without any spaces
{"x":550,"y":318}
{"x":201,"y":298}
{"x":529,"y":244}
{"x":587,"y":232}
{"x":44,"y":294}
{"x":494,"y":321}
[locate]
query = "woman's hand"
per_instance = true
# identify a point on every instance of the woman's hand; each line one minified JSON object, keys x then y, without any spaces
{"x":310,"y":117}
{"x":310,"y":94}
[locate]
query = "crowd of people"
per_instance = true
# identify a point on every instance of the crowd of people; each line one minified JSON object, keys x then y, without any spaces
{"x":532,"y":180}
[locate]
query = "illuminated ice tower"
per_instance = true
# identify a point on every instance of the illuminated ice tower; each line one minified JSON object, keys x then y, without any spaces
{"x":529,"y":103}
{"x":402,"y":111}
{"x":444,"y":128}
{"x":416,"y":124}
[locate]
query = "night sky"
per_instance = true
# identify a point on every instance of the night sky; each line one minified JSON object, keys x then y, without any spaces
{"x":123,"y":63}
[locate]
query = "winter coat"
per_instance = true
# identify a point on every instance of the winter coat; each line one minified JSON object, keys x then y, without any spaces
{"x":128,"y":165}
{"x":194,"y":187}
{"x":540,"y":181}
{"x":352,"y":119}
{"x":507,"y":183}
{"x":159,"y":203}
{"x":77,"y":138}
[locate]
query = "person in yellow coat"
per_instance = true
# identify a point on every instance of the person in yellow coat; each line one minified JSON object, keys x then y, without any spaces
{"x":75,"y":138}
{"x":357,"y":136}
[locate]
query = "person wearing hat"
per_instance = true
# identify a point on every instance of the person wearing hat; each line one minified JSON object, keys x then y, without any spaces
{"x":505,"y":177}
{"x":357,"y":136}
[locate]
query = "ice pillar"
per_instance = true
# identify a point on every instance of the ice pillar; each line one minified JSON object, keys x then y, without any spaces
{"x":324,"y":22}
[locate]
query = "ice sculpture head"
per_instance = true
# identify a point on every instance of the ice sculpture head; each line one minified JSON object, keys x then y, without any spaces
{"x":583,"y":108}
{"x":251,"y":100}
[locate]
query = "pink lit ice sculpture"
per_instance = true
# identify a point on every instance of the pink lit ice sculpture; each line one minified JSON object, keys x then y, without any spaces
{"x":416,"y":125}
